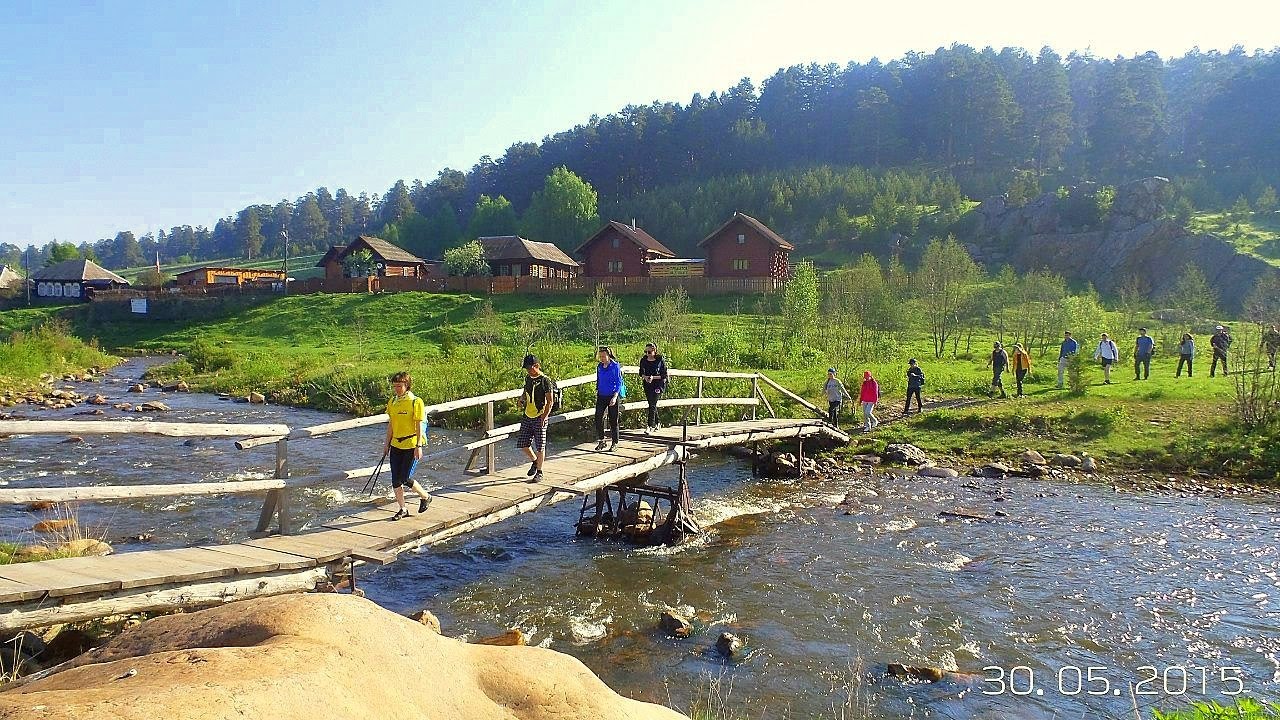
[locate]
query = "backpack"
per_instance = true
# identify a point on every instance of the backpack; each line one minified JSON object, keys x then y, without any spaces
{"x":557,"y":395}
{"x":921,"y":378}
{"x":622,"y":390}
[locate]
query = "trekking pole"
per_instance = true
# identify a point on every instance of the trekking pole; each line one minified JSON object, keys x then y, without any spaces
{"x":372,"y":482}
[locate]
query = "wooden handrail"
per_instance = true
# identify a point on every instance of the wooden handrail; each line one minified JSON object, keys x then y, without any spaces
{"x":639,"y":405}
{"x":121,"y":427}
{"x":813,"y":408}
{"x":23,"y":496}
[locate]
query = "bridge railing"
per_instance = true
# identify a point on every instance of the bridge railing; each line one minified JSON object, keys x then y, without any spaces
{"x":277,"y":488}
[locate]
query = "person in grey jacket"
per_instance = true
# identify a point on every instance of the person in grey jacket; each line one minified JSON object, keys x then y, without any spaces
{"x":1186,"y":353}
{"x":836,"y":395}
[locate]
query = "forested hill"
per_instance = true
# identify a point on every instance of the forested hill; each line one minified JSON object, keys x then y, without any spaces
{"x":976,"y":120}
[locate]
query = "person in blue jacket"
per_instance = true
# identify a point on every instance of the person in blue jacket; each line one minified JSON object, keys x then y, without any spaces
{"x":609,"y":390}
{"x":1068,"y":349}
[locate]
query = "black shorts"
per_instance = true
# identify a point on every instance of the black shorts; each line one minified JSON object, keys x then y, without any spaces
{"x":402,"y":467}
{"x":1108,"y":362}
{"x":533,"y":433}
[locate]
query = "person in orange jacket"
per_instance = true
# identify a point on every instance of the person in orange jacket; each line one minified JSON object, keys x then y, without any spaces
{"x":1021,"y":363}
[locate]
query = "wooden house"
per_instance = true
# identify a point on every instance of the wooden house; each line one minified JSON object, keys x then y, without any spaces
{"x":621,"y":250}
{"x":389,"y":260}
{"x":227,"y":276}
{"x":511,"y":255}
{"x":75,"y":280}
{"x":744,"y":247}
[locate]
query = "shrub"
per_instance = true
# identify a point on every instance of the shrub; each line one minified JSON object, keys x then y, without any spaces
{"x":1077,"y":374}
{"x":206,"y":357}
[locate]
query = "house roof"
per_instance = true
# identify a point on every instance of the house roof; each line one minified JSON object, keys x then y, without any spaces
{"x":758,"y":226}
{"x":514,"y":247}
{"x":208,"y":268}
{"x":77,"y":270}
{"x":8,"y":277}
{"x":384,"y":250}
{"x":331,"y":254}
{"x":634,"y":234}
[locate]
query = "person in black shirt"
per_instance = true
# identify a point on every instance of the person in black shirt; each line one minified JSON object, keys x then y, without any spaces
{"x":537,"y":399}
{"x":653,"y":375}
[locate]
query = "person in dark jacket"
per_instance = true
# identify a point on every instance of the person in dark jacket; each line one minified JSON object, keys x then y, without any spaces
{"x":998,"y":362}
{"x":1186,"y":353}
{"x":1220,"y":342}
{"x":915,"y":381}
{"x":1271,"y":344}
{"x":609,"y":390}
{"x":1143,"y":348}
{"x":653,"y":375}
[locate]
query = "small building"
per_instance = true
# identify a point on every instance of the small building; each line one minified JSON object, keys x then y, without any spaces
{"x":513,"y":255}
{"x":74,"y":279}
{"x":388,"y":260}
{"x":621,"y":250}
{"x":744,"y":247}
{"x":9,"y":279}
{"x":227,"y":276}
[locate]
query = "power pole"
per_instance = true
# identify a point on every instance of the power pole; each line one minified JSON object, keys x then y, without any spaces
{"x":26,"y":260}
{"x":284,"y":235}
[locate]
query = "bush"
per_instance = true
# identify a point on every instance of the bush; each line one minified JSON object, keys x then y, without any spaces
{"x":206,"y":357}
{"x":1077,"y":374}
{"x":1242,"y":709}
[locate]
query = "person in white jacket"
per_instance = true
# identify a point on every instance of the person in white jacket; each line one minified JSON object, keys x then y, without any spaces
{"x":1108,"y":353}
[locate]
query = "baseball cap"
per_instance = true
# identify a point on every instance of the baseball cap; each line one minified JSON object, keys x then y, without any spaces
{"x":529,"y":361}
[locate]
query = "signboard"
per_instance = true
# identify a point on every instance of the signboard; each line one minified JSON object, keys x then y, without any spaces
{"x":138,"y":306}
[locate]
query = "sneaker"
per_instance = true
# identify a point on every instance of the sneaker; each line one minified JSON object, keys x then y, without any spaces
{"x":423,"y":504}
{"x":401,"y":513}
{"x":601,"y":445}
{"x":533,"y":468}
{"x":613,"y":445}
{"x":537,"y":477}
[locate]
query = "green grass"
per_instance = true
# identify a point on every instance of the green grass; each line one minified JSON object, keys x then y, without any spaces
{"x":1242,"y":709}
{"x":1258,"y":236}
{"x":300,"y":267}
{"x":38,"y":345}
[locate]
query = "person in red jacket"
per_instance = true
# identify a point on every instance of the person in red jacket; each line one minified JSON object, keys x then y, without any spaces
{"x":870,"y":396}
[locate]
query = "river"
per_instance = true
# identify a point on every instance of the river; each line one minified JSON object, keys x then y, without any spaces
{"x":823,"y":592}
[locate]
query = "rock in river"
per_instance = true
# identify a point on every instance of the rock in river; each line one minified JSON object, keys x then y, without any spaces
{"x":937,"y":472}
{"x":905,"y":454}
{"x":675,"y":624}
{"x":728,"y":644}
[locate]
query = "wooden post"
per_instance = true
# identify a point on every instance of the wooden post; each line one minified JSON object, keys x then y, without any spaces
{"x":697,"y":416}
{"x":755,"y":393}
{"x":277,"y":500}
{"x":800,"y":458}
{"x":489,"y":452}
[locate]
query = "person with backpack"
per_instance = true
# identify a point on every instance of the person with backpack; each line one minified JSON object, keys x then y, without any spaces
{"x":406,"y":436}
{"x":610,"y":389}
{"x":1220,"y":342}
{"x":1271,"y":344}
{"x":1143,"y":348}
{"x":1067,"y":351}
{"x":869,"y":396}
{"x":538,"y":400}
{"x":1186,"y":353}
{"x":998,"y":362}
{"x":1021,"y":366}
{"x":653,"y":377}
{"x":915,"y":382}
{"x":1108,"y":353}
{"x":836,"y":394}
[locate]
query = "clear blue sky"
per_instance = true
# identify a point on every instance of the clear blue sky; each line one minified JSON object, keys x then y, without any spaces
{"x":143,"y":115}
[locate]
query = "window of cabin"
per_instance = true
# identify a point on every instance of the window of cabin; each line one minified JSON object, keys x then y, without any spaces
{"x":741,"y":264}
{"x":504,"y":270}
{"x":615,"y":266}
{"x":614,"y":242}
{"x":742,"y":239}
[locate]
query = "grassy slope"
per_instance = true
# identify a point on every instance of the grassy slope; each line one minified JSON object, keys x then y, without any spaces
{"x":1259,"y":236}
{"x":30,"y":346}
{"x":300,"y":266}
{"x":335,"y":351}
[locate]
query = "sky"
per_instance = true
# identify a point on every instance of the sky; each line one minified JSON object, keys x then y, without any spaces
{"x":128,"y":115}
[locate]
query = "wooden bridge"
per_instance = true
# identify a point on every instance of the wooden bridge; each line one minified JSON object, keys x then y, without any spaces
{"x":63,"y":590}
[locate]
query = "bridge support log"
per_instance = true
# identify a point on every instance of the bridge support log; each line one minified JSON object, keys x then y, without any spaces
{"x":277,"y":502}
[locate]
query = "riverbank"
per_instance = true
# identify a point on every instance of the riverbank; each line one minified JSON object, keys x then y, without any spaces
{"x":37,"y":349}
{"x":334,"y":352}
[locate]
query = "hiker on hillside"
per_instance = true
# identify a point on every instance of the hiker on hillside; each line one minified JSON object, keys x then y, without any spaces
{"x":1271,"y":344}
{"x":869,"y":396}
{"x":406,"y":436}
{"x":1220,"y":342}
{"x":538,"y":399}
{"x":1021,"y":366}
{"x":653,"y":376}
{"x":609,"y":390}
{"x":1143,"y":348}
{"x":1068,"y":350}
{"x":998,"y":362}
{"x":915,"y":382}
{"x":836,"y":394}
{"x":1186,"y":353}
{"x":1108,"y":353}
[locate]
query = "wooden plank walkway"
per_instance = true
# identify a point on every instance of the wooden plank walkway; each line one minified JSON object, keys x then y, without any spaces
{"x":65,"y":590}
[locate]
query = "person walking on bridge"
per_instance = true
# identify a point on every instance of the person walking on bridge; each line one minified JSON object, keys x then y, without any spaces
{"x":1021,"y":366}
{"x":653,"y":376}
{"x":609,"y":391}
{"x":869,"y":396}
{"x":1067,"y":351}
{"x":1108,"y":353}
{"x":836,"y":395}
{"x":538,"y":399}
{"x":1143,"y":348}
{"x":406,"y":436}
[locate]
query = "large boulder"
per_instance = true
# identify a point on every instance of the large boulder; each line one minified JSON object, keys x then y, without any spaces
{"x":905,"y":454}
{"x":299,"y":657}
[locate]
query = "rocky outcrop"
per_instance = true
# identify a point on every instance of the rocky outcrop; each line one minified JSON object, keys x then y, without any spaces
{"x":315,"y":655}
{"x":1137,"y":237}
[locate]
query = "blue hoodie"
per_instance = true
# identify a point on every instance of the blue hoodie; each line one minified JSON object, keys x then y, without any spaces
{"x":608,"y":378}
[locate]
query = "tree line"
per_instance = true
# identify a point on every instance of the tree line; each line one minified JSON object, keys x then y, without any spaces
{"x":981,"y":117}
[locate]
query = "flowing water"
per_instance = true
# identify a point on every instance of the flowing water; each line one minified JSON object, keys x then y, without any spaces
{"x":826,"y":581}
